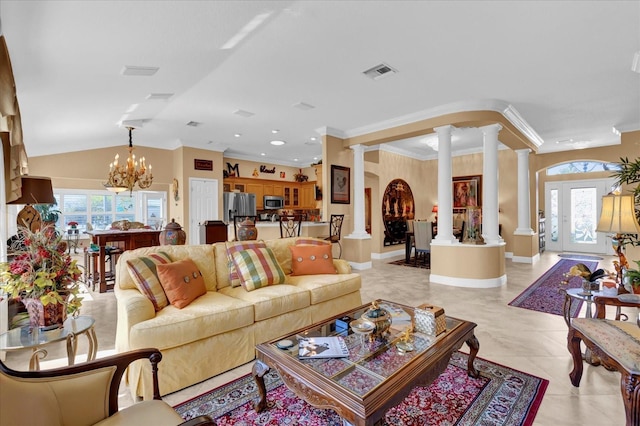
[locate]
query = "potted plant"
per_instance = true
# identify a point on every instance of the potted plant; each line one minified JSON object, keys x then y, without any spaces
{"x":631,"y":279}
{"x":43,"y":277}
{"x":48,"y":213}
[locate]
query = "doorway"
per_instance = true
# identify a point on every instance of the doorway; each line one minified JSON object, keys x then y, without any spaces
{"x":572,"y":211}
{"x":203,"y":205}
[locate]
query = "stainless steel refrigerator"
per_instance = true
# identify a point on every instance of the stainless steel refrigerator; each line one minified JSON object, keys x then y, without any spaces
{"x":238,"y":204}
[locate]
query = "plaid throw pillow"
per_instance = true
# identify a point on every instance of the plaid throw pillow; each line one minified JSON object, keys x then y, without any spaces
{"x":258,"y":268}
{"x":144,"y":273}
{"x":236,"y":246}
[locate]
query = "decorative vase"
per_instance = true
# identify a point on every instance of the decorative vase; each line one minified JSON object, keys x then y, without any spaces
{"x":47,"y":317}
{"x":173,"y":235}
{"x":247,"y":230}
{"x":380,"y":318}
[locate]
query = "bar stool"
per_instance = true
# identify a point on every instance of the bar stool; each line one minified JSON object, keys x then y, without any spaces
{"x":92,"y":269}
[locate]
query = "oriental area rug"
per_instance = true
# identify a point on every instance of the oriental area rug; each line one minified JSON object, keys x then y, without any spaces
{"x":500,"y":396}
{"x":544,"y":294}
{"x":421,"y":263}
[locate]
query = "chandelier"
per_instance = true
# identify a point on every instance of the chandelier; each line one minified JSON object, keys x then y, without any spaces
{"x":123,"y":177}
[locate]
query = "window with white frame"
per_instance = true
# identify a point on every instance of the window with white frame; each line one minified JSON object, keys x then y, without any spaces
{"x":101,"y":208}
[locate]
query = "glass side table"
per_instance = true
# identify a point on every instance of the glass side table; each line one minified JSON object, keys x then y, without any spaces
{"x":25,"y":338}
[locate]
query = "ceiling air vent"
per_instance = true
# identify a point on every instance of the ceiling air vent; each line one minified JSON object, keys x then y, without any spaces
{"x":380,"y":71}
{"x":139,"y":71}
{"x":243,"y":113}
{"x":303,"y":106}
{"x":159,"y":96}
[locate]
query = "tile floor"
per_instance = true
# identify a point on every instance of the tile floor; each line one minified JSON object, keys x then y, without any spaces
{"x":530,"y":341}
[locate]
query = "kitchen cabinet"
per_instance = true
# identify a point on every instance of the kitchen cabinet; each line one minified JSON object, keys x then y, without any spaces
{"x":273,"y":189}
{"x":258,"y":189}
{"x":292,"y":196}
{"x":308,"y":196}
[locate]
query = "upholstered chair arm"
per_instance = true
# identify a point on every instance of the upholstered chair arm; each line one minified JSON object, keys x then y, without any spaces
{"x":603,"y":301}
{"x":133,"y":307}
{"x":87,"y":391}
{"x":342,"y":266}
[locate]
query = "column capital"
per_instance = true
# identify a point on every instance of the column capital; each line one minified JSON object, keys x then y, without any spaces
{"x":524,"y":151}
{"x":446,"y":128}
{"x":491,"y":128}
{"x":357,"y":148}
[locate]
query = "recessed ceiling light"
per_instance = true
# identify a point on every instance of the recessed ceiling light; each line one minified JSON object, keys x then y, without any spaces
{"x":277,"y":143}
{"x":313,"y":138}
{"x":274,"y":131}
{"x":295,"y":159}
{"x":315,"y":158}
{"x":237,"y":135}
{"x":139,"y":71}
{"x":263,"y":153}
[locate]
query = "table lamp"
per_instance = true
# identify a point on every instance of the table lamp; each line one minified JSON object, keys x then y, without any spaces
{"x":35,"y":190}
{"x":435,"y":210}
{"x":618,"y":217}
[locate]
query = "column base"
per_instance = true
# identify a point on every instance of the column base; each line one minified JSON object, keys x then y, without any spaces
{"x":357,"y":251}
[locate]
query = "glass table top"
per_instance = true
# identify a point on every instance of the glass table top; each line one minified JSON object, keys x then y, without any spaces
{"x":23,"y":337}
{"x":370,"y":363}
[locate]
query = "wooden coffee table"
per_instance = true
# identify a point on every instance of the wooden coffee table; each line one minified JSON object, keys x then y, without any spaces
{"x":362,"y":387}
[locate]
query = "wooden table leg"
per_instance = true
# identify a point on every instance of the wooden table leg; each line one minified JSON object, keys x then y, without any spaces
{"x":103,"y":272}
{"x":474,"y":347}
{"x":259,"y":370}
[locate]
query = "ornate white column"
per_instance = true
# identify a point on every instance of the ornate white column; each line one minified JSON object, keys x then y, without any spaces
{"x":524,"y":215}
{"x":490,"y":184}
{"x":359,"y":230}
{"x":445,"y":191}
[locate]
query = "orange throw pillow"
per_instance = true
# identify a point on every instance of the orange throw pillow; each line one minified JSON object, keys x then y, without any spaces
{"x":312,"y":260}
{"x":182,"y":282}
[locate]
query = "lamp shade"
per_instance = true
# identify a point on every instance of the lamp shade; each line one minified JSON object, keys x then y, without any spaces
{"x":434,"y":209}
{"x":618,"y":215}
{"x":35,"y":190}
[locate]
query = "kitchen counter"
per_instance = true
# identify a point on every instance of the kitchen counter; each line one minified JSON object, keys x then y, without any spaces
{"x":271,"y":230}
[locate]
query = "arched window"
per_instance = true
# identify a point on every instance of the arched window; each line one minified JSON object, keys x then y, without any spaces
{"x":582,"y":167}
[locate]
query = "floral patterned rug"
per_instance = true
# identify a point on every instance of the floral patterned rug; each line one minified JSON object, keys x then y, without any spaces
{"x":500,"y":396}
{"x":544,"y":294}
{"x":422,"y":264}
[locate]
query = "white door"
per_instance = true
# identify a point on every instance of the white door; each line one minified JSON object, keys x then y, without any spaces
{"x":203,"y":205}
{"x":572,"y":211}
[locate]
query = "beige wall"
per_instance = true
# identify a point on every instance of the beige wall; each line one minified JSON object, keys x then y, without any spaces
{"x":87,"y":170}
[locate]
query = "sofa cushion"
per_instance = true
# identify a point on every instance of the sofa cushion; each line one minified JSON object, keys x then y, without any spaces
{"x":307,"y":241}
{"x":182,"y":282}
{"x":312,"y":260}
{"x":257,"y":268}
{"x":144,"y":273}
{"x":326,"y":287}
{"x":280,"y":247}
{"x":235,"y":279}
{"x":209,"y":315}
{"x":273,"y":300}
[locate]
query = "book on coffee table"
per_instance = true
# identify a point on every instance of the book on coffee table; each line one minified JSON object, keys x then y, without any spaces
{"x":322,"y":347}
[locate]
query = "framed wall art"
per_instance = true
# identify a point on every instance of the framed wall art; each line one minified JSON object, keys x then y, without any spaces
{"x":467,"y":192}
{"x":340,"y":185}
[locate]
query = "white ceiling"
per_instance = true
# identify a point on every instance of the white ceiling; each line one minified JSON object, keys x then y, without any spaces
{"x":565,"y":66}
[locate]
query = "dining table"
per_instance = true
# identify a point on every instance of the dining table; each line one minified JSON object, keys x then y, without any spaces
{"x":130,"y":239}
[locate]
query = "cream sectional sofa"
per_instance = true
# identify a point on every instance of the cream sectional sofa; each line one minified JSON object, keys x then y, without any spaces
{"x":219,"y":330}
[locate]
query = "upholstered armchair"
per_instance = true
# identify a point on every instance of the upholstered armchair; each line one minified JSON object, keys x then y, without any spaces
{"x":83,"y":394}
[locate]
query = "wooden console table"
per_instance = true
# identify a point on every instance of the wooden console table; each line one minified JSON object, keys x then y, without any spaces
{"x":132,"y":239}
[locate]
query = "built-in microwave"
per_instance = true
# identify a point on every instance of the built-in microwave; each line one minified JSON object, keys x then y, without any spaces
{"x":273,"y":202}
